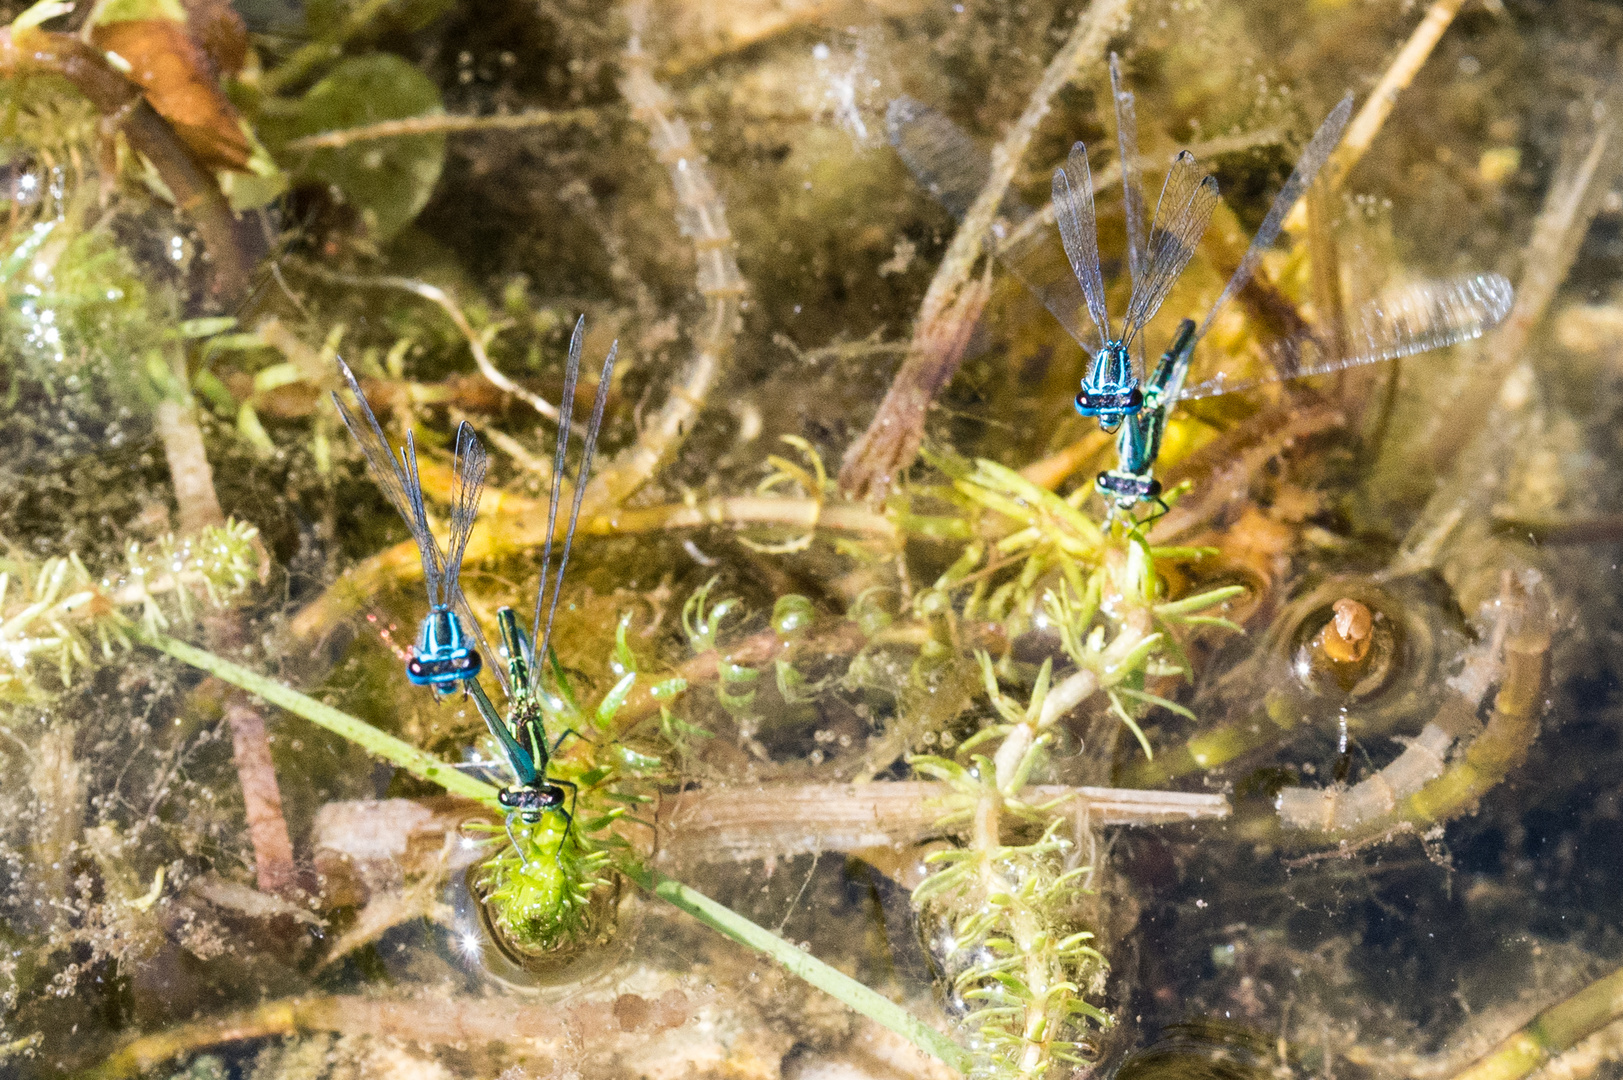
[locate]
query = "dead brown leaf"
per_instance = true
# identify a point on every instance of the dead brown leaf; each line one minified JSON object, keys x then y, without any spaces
{"x":178,"y":80}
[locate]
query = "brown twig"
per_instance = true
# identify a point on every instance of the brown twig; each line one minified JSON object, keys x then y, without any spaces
{"x":37,"y":52}
{"x":261,"y":797}
{"x":1367,"y":124}
{"x":955,"y":298}
{"x":755,"y":822}
{"x":199,"y":506}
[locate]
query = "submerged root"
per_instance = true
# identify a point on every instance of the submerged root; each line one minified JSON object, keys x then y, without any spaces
{"x":702,"y":215}
{"x":1421,"y":789}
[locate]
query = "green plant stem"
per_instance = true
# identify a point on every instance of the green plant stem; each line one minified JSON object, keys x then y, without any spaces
{"x":1552,"y":1032}
{"x":395,"y":751}
{"x":716,"y":916}
{"x":831,"y":981}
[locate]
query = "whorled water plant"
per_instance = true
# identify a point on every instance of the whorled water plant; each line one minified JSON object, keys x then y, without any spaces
{"x":57,"y":615}
{"x":1000,"y":914}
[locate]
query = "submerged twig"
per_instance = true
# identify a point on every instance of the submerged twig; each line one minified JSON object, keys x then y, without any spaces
{"x":954,"y":300}
{"x":261,"y":798}
{"x":189,"y":468}
{"x":1367,"y":124}
{"x":439,"y":124}
{"x":751,"y":822}
{"x":256,"y":771}
{"x":1552,"y":1031}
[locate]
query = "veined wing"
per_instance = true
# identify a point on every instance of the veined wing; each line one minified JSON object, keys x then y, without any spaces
{"x":1078,"y":231}
{"x":472,"y":463}
{"x":470,"y":467}
{"x":1131,"y":181}
{"x":1132,"y":185}
{"x":1312,"y":158}
{"x":541,"y":636}
{"x":1187,"y":200}
{"x":1413,"y":319}
{"x":398,"y":478}
{"x":947,"y":163}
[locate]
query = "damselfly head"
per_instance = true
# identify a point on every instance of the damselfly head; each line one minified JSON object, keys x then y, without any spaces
{"x":444,"y":656}
{"x":531,"y":803}
{"x":1110,"y":391}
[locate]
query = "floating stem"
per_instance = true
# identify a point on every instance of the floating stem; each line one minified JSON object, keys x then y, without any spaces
{"x":1551,"y":1032}
{"x":395,"y":751}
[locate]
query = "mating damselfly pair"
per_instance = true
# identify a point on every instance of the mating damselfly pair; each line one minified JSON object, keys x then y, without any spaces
{"x":450,"y":643}
{"x":1116,"y":389}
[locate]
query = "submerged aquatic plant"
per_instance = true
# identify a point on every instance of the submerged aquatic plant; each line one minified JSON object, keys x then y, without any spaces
{"x":57,"y":615}
{"x":999,"y":917}
{"x":1001,"y":914}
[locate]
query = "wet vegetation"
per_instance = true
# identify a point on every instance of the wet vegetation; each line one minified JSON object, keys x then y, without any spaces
{"x":896,"y":749}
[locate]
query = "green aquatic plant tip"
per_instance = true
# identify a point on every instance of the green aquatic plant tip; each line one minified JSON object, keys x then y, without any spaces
{"x":539,"y":885}
{"x":56,"y":615}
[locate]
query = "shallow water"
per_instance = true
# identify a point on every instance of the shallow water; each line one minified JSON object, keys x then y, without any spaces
{"x":200,"y":883}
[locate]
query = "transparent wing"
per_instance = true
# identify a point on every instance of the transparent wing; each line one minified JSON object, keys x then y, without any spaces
{"x":566,"y":409}
{"x":397,"y":478}
{"x":1131,"y":181}
{"x":1413,"y":319}
{"x":1078,"y":231}
{"x":952,"y":168}
{"x":944,"y":160}
{"x":1187,"y":200}
{"x":1132,"y":184}
{"x":471,"y":465}
{"x":1307,"y":167}
{"x":592,"y":429}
